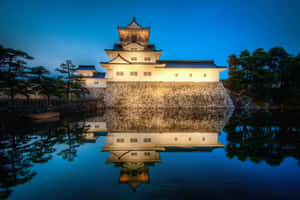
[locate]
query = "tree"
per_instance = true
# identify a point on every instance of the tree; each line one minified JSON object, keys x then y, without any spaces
{"x":73,"y":85}
{"x":71,"y":137}
{"x":38,"y":73}
{"x":77,"y":89}
{"x":10,"y":57}
{"x":50,"y":87}
{"x":265,"y":76}
{"x":263,"y":136}
{"x":15,"y":163}
{"x":13,"y":75}
{"x":235,"y":81}
{"x":68,"y":71}
{"x":15,"y":82}
{"x":261,"y":77}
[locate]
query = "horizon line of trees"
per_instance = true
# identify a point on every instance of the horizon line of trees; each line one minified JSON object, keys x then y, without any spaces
{"x":16,"y":78}
{"x":266,"y":76}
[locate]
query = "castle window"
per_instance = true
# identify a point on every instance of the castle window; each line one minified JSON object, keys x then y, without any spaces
{"x":147,"y":153}
{"x":176,"y":75}
{"x":120,"y":73}
{"x":133,"y":49}
{"x":147,"y":73}
{"x":133,"y":140}
{"x":191,"y":75}
{"x":203,"y":139}
{"x":134,"y":153}
{"x":133,"y":73}
{"x":133,"y":58}
{"x":134,"y":38}
{"x":96,"y":126}
{"x":120,"y":140}
{"x":204,"y":75}
{"x":147,"y":139}
{"x":96,"y":82}
{"x":147,"y":59}
{"x":190,"y":139}
{"x":175,"y":138}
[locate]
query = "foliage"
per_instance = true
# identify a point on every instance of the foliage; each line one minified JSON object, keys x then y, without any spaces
{"x":13,"y":76}
{"x":266,"y":76}
{"x":18,"y":79}
{"x":263,"y":136}
{"x":19,"y":151}
{"x":73,"y":86}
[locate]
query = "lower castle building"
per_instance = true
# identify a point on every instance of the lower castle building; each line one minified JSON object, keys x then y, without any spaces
{"x":135,"y":67}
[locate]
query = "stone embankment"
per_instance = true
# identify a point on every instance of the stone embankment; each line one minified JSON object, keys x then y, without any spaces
{"x":164,"y":95}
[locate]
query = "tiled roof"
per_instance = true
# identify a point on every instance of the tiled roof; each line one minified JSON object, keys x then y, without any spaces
{"x":118,"y":47}
{"x":86,"y":67}
{"x":99,"y":75}
{"x":189,"y":64}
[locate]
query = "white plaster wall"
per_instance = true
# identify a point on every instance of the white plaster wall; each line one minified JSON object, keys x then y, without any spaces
{"x":95,"y":83}
{"x":94,"y":126}
{"x":163,"y":139}
{"x":164,"y":74}
{"x":154,"y":56}
{"x":140,"y":156}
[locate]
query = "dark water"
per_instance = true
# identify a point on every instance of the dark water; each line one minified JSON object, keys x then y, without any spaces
{"x":153,"y":154}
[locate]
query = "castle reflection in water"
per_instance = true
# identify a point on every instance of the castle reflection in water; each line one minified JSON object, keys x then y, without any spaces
{"x":135,"y":138}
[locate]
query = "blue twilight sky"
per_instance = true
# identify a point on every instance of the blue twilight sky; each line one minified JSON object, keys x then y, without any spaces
{"x":56,"y":30}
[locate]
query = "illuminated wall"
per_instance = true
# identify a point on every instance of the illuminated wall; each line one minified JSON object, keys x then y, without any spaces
{"x":94,"y":82}
{"x":158,"y":141}
{"x":122,"y":73}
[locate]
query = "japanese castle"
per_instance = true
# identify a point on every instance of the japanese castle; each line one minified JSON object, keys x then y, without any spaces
{"x":134,"y":59}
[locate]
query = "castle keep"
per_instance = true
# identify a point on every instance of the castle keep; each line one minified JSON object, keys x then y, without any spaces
{"x":135,"y":76}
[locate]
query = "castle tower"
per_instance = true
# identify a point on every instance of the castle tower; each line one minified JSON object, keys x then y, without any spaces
{"x":135,"y":69}
{"x":134,"y":59}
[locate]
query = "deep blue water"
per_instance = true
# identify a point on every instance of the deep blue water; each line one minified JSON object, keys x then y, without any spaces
{"x":246,"y":155}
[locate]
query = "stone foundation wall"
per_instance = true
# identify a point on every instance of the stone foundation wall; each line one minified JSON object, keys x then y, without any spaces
{"x":96,"y":93}
{"x":167,"y":95}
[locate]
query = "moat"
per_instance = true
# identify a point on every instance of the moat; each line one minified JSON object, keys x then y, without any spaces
{"x":153,"y":154}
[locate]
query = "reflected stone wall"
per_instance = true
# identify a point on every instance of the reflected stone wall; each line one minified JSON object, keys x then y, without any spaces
{"x":167,"y":95}
{"x":164,"y":120}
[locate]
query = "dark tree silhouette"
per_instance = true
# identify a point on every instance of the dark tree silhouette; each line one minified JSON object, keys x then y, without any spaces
{"x":263,"y":136}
